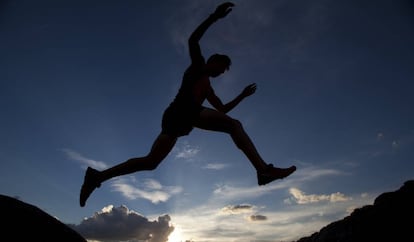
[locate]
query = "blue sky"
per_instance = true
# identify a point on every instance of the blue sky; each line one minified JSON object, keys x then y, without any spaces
{"x":85,"y":83}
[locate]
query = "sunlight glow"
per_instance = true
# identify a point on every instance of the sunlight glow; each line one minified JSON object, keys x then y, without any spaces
{"x":176,"y":235}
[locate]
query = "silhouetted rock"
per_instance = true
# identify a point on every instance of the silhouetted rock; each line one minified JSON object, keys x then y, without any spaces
{"x":388,"y":219}
{"x":25,"y":222}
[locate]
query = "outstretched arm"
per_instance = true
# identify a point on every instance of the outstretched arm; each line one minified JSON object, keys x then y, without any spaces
{"x":225,"y":108}
{"x":194,"y":47}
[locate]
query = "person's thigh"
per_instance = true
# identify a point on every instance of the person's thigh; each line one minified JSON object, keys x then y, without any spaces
{"x":162,"y":146}
{"x":210,"y":119}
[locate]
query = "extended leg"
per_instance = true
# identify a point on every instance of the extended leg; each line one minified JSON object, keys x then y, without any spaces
{"x":160,"y":149}
{"x":93,"y":178}
{"x":210,"y":119}
{"x":216,"y":121}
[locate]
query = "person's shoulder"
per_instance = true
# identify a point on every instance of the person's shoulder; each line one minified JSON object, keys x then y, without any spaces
{"x":196,"y":65}
{"x":198,"y":62}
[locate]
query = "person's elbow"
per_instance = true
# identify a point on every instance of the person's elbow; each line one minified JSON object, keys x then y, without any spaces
{"x":221,"y":108}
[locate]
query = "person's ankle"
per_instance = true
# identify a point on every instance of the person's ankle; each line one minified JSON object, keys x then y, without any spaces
{"x":264,"y":168}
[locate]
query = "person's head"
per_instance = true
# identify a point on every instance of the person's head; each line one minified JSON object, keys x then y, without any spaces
{"x":217,"y":64}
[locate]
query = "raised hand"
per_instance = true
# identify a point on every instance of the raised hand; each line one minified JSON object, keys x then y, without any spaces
{"x":249,"y":90}
{"x":223,"y":9}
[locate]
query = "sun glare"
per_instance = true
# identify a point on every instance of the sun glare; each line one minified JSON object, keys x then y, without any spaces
{"x":176,"y":235}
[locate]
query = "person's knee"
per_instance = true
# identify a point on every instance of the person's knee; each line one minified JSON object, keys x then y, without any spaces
{"x":153,"y":161}
{"x":236,"y":125}
{"x":152,"y":166}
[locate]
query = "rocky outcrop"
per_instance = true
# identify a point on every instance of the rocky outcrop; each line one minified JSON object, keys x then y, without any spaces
{"x":25,"y":222}
{"x":388,"y":219}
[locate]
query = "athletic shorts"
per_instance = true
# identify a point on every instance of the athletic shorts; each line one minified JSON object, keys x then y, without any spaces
{"x":178,"y":120}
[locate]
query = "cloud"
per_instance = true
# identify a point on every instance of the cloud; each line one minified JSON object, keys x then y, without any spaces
{"x":100,"y":165}
{"x":395,"y":144}
{"x":237,"y":209}
{"x":243,"y":209}
{"x":255,"y":218}
{"x":215,"y":166}
{"x":185,"y":151}
{"x":151,"y":190}
{"x":301,"y":198}
{"x":153,"y":184}
{"x":308,"y":173}
{"x":228,"y":193}
{"x":380,"y":136}
{"x":121,"y":224}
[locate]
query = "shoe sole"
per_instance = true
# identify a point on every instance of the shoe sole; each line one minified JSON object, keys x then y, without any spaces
{"x":263,"y":179}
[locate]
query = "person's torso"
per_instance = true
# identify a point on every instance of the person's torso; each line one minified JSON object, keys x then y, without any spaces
{"x":194,"y":88}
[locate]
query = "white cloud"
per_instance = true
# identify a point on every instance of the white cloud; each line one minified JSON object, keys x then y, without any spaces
{"x":121,"y":224}
{"x":230,"y":193}
{"x":308,"y":173}
{"x":100,"y":165}
{"x":215,"y":166}
{"x":185,"y":151}
{"x":301,"y":198}
{"x":153,"y":184}
{"x":151,"y":190}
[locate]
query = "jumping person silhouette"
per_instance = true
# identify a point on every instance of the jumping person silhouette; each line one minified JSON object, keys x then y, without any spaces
{"x":186,"y":112}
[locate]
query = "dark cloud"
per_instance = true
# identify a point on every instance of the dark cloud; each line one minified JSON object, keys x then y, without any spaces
{"x":236,"y":209}
{"x":257,"y":218}
{"x":122,"y":224}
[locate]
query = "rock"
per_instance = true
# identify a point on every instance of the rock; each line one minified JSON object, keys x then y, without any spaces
{"x":25,"y":222}
{"x":388,"y":219}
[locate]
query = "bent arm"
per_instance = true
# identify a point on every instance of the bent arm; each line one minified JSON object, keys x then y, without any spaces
{"x":215,"y":101}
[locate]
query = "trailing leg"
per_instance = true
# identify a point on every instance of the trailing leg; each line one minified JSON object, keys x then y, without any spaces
{"x":93,"y":178}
